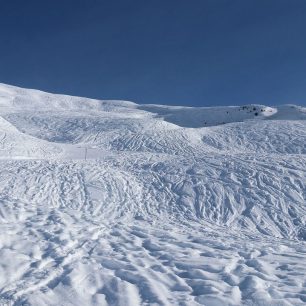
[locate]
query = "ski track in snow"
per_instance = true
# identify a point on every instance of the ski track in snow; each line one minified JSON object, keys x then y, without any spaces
{"x":173,"y":206}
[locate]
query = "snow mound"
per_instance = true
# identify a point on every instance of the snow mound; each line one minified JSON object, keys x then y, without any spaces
{"x":14,"y":144}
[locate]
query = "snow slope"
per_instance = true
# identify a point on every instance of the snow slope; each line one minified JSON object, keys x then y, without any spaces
{"x":172,"y":206}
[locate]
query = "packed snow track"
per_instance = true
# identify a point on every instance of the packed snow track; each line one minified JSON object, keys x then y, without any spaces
{"x":114,"y":203}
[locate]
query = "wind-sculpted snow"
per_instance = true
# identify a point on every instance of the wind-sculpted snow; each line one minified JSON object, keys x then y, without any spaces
{"x":172,"y":206}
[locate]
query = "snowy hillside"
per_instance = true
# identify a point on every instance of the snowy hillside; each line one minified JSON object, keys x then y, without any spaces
{"x":172,"y":206}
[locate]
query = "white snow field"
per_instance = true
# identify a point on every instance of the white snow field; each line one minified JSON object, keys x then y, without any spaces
{"x":172,"y":206}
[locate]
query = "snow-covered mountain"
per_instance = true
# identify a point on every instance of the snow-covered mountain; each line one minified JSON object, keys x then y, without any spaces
{"x":172,"y":205}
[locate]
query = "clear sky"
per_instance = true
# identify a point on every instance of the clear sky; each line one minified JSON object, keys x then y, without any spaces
{"x":183,"y":52}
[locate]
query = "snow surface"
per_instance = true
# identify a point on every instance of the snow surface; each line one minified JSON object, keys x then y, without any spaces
{"x":172,"y":206}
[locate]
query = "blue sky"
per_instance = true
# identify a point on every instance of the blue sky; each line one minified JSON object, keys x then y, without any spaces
{"x":195,"y":52}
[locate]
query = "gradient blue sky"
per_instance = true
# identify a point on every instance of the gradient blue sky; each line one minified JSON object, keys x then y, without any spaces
{"x":180,"y":52}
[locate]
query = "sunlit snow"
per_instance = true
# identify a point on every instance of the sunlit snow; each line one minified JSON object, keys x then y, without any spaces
{"x":114,"y":203}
